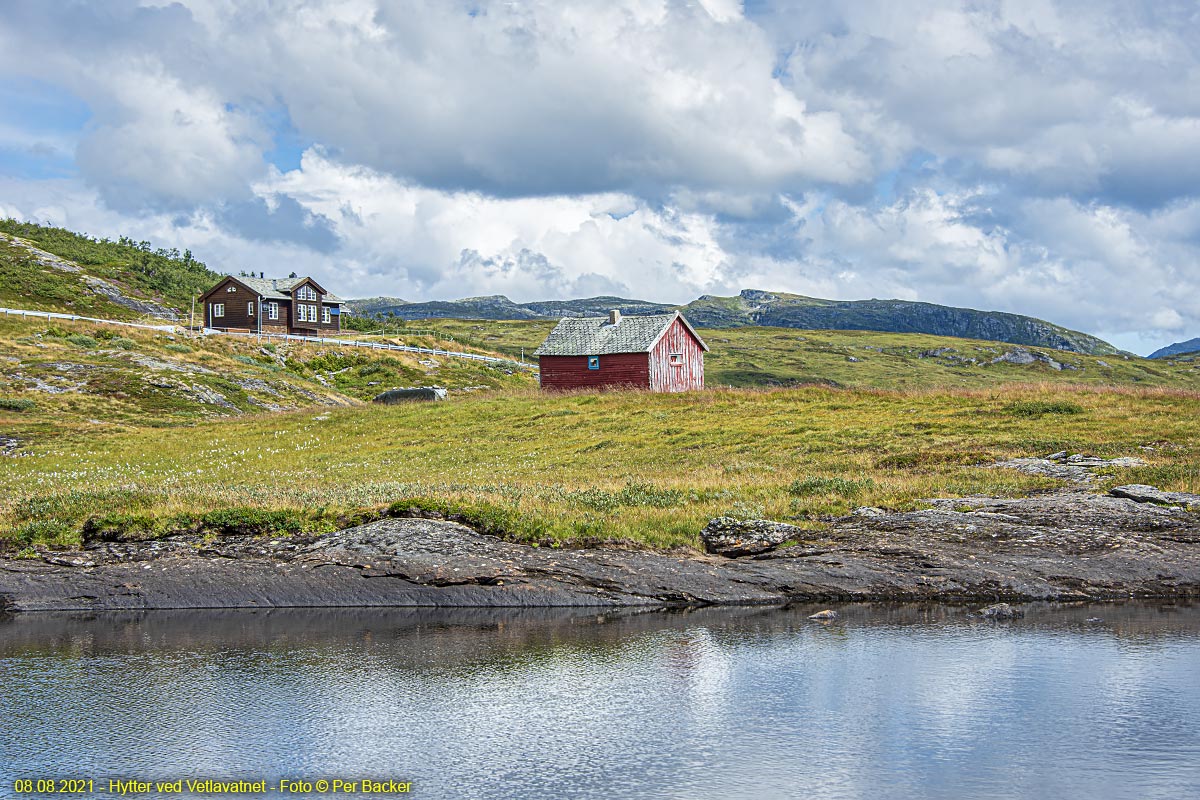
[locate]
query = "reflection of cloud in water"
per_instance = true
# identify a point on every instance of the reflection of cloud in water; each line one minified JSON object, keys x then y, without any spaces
{"x":732,"y":703}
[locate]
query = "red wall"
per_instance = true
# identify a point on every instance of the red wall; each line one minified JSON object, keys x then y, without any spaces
{"x":666,"y":377}
{"x":571,"y":372}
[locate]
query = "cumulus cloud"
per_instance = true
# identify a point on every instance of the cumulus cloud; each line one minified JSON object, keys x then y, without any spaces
{"x":1035,"y":157}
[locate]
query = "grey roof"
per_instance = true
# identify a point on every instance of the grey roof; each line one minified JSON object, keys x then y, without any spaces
{"x":594,"y":336}
{"x":278,"y":288}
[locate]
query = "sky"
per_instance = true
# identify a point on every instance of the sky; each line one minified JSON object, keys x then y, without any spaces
{"x":1041,"y":158}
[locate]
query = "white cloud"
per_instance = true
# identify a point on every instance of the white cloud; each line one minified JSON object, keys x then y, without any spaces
{"x":1027,"y":156}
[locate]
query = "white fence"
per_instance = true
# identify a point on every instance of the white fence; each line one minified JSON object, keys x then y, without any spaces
{"x":49,"y":315}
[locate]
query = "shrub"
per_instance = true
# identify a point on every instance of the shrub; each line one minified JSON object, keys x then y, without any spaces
{"x":83,"y":340}
{"x":123,"y":343}
{"x":178,"y":348}
{"x":1037,"y":408}
{"x":807,"y":487}
{"x":247,"y":360}
{"x":123,"y":528}
{"x":252,"y":522}
{"x":17,"y":404}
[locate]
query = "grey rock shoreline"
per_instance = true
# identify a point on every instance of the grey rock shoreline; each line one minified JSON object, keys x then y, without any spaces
{"x":1063,"y":546}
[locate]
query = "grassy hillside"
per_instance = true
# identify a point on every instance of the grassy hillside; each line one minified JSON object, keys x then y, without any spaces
{"x":753,"y":356}
{"x":136,"y":269}
{"x":577,"y":467}
{"x":98,"y":376}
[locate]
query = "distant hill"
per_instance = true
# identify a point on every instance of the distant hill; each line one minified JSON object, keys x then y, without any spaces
{"x":500,"y":307}
{"x":1179,"y":348}
{"x":771,"y":309}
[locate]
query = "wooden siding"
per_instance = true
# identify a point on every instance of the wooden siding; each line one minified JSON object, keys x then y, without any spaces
{"x":571,"y":372}
{"x":235,"y":302}
{"x":685,"y":376}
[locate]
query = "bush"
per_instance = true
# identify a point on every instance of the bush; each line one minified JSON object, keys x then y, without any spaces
{"x":807,"y":487}
{"x":83,"y":340}
{"x":123,"y":343}
{"x":17,"y":404}
{"x":178,"y":348}
{"x":123,"y":528}
{"x":1037,"y":408}
{"x":252,"y":522}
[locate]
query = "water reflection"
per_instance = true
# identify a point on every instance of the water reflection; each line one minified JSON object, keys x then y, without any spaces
{"x":887,"y":701}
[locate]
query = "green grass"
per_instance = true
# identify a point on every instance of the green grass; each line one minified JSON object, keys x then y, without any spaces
{"x":567,"y":468}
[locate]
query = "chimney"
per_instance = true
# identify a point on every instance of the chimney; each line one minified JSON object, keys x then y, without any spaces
{"x":262,"y":274}
{"x":614,"y":317}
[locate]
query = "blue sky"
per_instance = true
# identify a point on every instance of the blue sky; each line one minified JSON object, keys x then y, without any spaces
{"x":1033,"y":157}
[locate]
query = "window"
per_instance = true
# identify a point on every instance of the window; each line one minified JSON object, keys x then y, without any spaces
{"x":593,"y":362}
{"x":325,"y":315}
{"x":676,"y":359}
{"x":301,"y":313}
{"x":218,"y":309}
{"x":273,"y":311}
{"x":306,"y":293}
{"x":250,"y":309}
{"x":231,"y":288}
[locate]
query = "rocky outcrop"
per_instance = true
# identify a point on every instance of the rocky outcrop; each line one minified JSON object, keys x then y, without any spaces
{"x":1077,"y":468}
{"x":730,"y":537}
{"x":1148,"y":494}
{"x":420,"y":394}
{"x":1064,"y":546}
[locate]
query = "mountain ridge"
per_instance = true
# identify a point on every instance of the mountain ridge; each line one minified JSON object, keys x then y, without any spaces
{"x":758,"y":308}
{"x":1177,"y":349}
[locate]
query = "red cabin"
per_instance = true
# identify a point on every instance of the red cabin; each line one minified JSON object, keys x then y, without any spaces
{"x":662,"y":353}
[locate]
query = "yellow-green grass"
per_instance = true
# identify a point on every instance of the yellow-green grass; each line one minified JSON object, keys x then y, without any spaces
{"x":96,"y":376}
{"x":630,"y":466}
{"x":754,"y":356}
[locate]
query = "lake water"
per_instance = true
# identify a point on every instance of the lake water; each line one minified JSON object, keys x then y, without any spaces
{"x":885,"y":702}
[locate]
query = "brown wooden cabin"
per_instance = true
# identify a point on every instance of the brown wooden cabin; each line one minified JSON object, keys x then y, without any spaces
{"x":298,"y":306}
{"x":662,"y":353}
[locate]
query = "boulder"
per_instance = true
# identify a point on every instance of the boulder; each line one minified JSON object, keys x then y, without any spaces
{"x":731,"y":537}
{"x":420,"y":394}
{"x":824,"y":616}
{"x":1000,"y":611}
{"x":1141,"y":493}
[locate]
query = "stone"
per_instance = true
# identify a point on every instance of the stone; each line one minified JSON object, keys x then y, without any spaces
{"x":1000,"y":611}
{"x":1141,"y":493}
{"x":868,"y":511}
{"x":426,"y":394}
{"x":729,"y":537}
{"x":823,"y":616}
{"x":1059,"y":456}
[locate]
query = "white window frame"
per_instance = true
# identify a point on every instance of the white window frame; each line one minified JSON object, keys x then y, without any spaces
{"x":301,"y":312}
{"x":306,"y":292}
{"x":326,"y":319}
{"x":218,"y":310}
{"x":676,"y":359}
{"x":231,"y":288}
{"x":272,"y":310}
{"x":250,"y":309}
